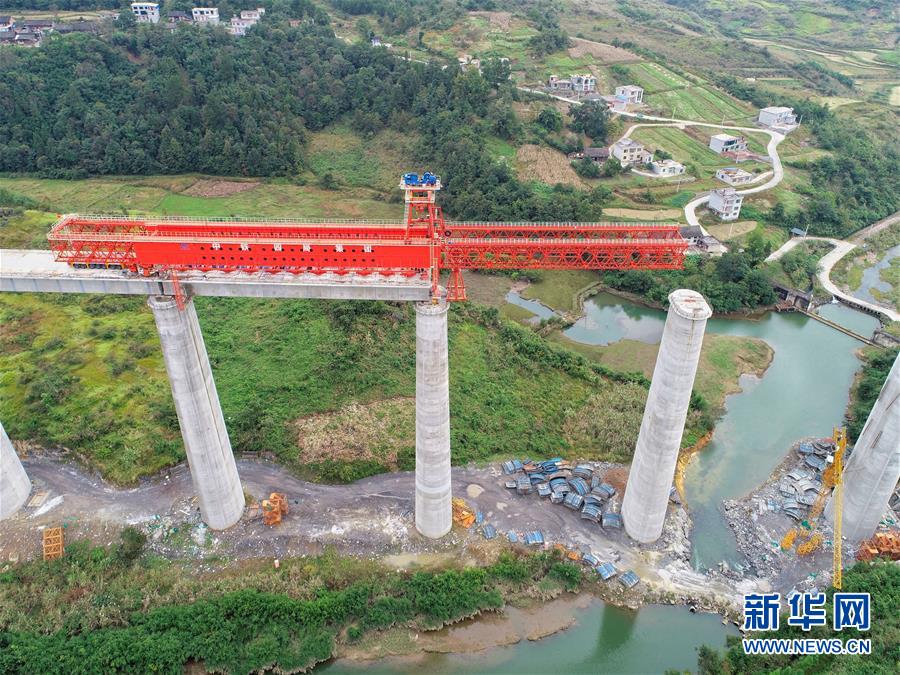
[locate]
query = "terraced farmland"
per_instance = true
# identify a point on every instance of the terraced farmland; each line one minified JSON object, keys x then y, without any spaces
{"x":655,"y":78}
{"x":701,"y":103}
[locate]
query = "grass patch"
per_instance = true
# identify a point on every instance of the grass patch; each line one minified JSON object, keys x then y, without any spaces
{"x":559,"y":289}
{"x":723,"y":360}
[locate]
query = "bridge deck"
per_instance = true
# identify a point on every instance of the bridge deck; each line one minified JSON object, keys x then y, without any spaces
{"x":34,"y":271}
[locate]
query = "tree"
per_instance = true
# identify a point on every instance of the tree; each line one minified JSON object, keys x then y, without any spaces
{"x":612,"y":167}
{"x":586,"y":168}
{"x":550,"y":119}
{"x":590,"y":118}
{"x":495,"y":71}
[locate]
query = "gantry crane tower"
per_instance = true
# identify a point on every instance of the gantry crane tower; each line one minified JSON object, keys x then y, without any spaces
{"x":421,"y":246}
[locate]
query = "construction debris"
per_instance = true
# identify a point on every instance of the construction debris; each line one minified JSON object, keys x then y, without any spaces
{"x":274,"y":508}
{"x":462,"y":514}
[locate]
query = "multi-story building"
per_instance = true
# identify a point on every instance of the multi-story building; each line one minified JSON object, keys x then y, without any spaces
{"x":206,"y":15}
{"x":734,"y":176}
{"x":630,"y":93}
{"x":727,"y":143}
{"x":177,"y":16}
{"x":667,"y":167}
{"x":583,"y":84}
{"x":145,"y":12}
{"x":776,"y":116}
{"x":725,"y":203}
{"x":253,"y":14}
{"x":629,"y":152}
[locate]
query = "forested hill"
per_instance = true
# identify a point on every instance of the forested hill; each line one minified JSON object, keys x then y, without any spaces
{"x":149,"y":101}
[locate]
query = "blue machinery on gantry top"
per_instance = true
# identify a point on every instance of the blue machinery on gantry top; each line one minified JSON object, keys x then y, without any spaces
{"x":427,"y":179}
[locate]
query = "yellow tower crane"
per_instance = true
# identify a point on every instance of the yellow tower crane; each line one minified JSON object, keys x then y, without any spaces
{"x":809,"y":540}
{"x":837,"y":565}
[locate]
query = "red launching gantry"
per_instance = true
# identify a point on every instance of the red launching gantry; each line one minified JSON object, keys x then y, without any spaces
{"x":421,"y":246}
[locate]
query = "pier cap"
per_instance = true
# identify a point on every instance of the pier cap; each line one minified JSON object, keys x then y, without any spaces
{"x":689,"y":304}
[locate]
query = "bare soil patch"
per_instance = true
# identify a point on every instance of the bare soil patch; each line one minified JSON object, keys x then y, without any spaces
{"x":497,"y":19}
{"x":535,"y":162}
{"x":358,"y":431}
{"x":218,"y":188}
{"x":604,"y":52}
{"x":648,"y":214}
{"x":727,"y":231}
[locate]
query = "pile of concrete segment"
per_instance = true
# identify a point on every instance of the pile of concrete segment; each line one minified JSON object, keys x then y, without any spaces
{"x":576,"y":488}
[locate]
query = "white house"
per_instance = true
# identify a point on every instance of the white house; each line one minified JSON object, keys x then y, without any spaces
{"x":584,"y":83}
{"x":628,"y":151}
{"x":206,"y":15}
{"x":239,"y":26}
{"x":734,"y":176}
{"x":725,"y":203}
{"x":630,"y":93}
{"x":253,"y":14}
{"x":778,"y":117}
{"x":249,"y":17}
{"x":667,"y":167}
{"x":727,"y":143}
{"x":145,"y":12}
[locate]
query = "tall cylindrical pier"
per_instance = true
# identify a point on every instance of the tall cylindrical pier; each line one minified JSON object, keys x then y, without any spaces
{"x":433,"y":507}
{"x":14,"y":483}
{"x":872,"y":472}
{"x":213,"y":469}
{"x":659,"y":440}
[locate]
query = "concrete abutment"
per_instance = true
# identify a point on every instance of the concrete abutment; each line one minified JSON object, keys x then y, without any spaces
{"x":211,"y":461}
{"x":656,"y":453}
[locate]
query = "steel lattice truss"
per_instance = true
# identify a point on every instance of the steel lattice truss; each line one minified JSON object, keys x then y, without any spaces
{"x":422,"y":245}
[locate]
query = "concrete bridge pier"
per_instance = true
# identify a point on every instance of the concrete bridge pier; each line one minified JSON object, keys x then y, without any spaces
{"x":653,"y":468}
{"x":15,"y":485}
{"x":433,"y":507}
{"x":211,"y":461}
{"x":872,"y":472}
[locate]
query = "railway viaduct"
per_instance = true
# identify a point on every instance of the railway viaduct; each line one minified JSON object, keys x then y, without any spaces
{"x":171,"y":260}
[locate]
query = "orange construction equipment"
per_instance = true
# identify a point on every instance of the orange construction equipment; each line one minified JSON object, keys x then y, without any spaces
{"x":274,"y":507}
{"x":882,"y":545}
{"x":53,"y":543}
{"x":462,"y":514}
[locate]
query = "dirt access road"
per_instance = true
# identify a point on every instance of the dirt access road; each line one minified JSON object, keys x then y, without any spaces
{"x":371,"y":518}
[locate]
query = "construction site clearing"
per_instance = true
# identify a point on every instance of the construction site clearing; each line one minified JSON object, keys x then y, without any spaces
{"x":372,"y":518}
{"x":782,"y":537}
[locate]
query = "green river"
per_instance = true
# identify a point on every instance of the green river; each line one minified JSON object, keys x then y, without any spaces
{"x":803,"y":393}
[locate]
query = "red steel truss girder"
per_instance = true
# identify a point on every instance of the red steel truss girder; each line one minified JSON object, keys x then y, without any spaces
{"x":563,"y":255}
{"x":425,"y":243}
{"x":579,"y":231}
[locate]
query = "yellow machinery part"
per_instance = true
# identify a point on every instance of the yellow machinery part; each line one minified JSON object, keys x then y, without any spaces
{"x":787,"y":541}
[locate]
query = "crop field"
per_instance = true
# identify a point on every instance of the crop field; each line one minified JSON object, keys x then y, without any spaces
{"x":693,"y":147}
{"x":165,"y":195}
{"x":701,"y":103}
{"x":655,"y":78}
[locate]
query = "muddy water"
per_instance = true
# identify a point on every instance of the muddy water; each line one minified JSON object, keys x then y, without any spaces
{"x":803,"y":393}
{"x":601,"y":639}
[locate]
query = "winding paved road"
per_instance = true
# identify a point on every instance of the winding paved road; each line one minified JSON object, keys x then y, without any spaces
{"x":690,"y":209}
{"x":830,"y":259}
